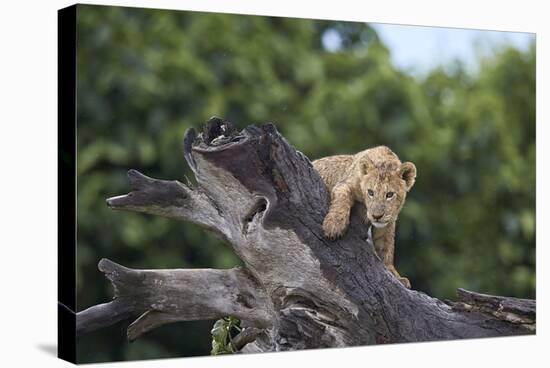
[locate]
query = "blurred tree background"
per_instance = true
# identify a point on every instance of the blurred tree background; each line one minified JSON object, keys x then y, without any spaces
{"x":145,"y":76}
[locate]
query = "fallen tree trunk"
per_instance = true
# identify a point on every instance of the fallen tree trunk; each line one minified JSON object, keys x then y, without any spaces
{"x":298,"y":290}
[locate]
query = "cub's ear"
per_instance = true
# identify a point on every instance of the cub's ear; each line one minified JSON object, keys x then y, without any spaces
{"x":366,"y":166}
{"x":407,"y":172}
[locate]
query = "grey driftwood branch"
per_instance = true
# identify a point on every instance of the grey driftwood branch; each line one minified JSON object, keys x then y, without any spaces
{"x":165,"y":296}
{"x":297,"y":289}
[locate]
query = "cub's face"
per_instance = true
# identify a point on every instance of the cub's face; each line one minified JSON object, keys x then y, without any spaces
{"x":384,"y":189}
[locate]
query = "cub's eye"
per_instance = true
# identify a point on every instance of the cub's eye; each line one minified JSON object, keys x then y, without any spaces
{"x":390,"y":195}
{"x":371,"y":193}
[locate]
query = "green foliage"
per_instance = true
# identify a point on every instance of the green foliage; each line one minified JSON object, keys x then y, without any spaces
{"x":222,"y":334}
{"x":144,"y":76}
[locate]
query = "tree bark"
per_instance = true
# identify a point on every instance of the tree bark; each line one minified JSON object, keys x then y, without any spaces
{"x":298,"y":289}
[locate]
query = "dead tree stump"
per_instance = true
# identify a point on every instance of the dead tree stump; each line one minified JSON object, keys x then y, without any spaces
{"x":297,"y":290}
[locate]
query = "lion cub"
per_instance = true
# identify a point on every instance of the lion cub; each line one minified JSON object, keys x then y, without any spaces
{"x":377,"y":178}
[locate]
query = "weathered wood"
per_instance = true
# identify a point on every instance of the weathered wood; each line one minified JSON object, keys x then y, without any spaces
{"x":513,"y":310}
{"x":266,"y":200}
{"x":246,"y":336}
{"x":165,"y":296}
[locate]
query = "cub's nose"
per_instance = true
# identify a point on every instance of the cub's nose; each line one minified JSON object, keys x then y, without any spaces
{"x":377,"y":217}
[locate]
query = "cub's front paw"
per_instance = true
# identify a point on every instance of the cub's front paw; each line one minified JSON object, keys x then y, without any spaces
{"x":335,"y":225}
{"x":405,"y":281}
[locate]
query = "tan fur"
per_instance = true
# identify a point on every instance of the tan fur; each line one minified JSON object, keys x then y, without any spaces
{"x":349,"y":178}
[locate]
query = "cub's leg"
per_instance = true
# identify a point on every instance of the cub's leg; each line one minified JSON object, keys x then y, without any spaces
{"x":337,"y":219}
{"x":384,"y":244}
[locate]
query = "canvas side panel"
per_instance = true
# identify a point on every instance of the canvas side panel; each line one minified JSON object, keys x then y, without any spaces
{"x":66,"y":211}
